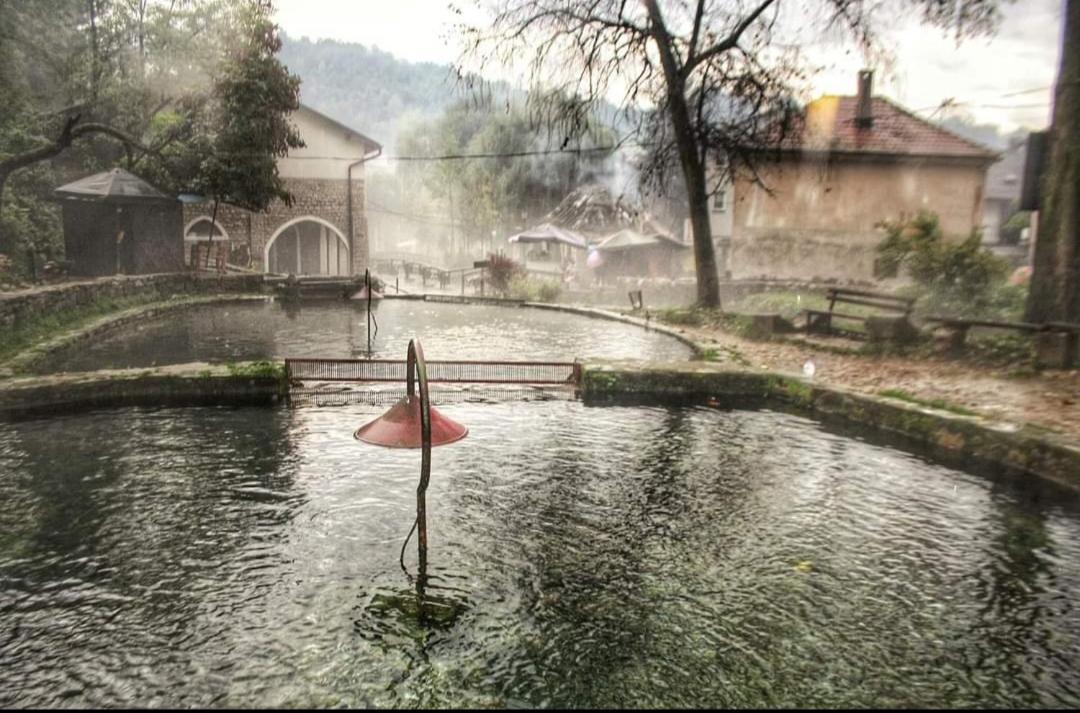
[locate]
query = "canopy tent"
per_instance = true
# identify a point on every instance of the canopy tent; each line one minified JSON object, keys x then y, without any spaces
{"x":115,"y":186}
{"x":549,"y":233}
{"x":630,"y":239}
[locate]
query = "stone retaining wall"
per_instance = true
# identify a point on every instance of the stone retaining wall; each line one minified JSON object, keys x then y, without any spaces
{"x":22,"y":306}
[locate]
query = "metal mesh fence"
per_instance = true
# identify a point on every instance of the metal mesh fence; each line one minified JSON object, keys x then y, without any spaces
{"x":339,"y":394}
{"x":459,"y":372}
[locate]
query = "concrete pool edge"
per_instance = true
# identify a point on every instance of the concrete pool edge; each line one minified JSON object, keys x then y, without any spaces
{"x":1020,"y":447}
{"x":25,"y":360}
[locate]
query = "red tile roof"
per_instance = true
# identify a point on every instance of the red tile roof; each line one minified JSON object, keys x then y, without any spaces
{"x":829,"y":125}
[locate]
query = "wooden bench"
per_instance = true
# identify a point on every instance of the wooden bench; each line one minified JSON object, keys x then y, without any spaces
{"x":957,"y":329}
{"x":820,"y":321}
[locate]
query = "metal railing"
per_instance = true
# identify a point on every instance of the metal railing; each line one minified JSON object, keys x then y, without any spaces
{"x":457,"y":372}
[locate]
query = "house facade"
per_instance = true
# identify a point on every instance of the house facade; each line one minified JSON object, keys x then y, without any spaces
{"x":852,"y":162}
{"x":324,"y":231}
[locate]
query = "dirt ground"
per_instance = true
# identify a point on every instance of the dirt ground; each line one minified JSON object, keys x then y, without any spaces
{"x":1049,"y":398}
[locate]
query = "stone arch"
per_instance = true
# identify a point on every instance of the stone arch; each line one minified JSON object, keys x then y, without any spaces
{"x":224,"y":234}
{"x":308,"y":249}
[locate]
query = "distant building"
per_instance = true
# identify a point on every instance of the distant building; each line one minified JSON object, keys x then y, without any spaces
{"x":117,"y":223}
{"x":1002,"y":197}
{"x":851,"y":162}
{"x":324,"y":232}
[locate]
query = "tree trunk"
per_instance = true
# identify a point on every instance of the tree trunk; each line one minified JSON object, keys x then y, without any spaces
{"x":693,"y":167}
{"x":5,"y":240}
{"x":1055,"y":281}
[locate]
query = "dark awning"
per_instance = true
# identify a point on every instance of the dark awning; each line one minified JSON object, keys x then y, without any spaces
{"x":115,"y":186}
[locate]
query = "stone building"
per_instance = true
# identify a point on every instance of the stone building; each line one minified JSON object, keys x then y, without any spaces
{"x":324,"y":232}
{"x":852,"y":162}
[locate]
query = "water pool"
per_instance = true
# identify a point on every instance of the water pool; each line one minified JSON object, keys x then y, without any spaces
{"x":337,"y":329}
{"x":249,"y":557}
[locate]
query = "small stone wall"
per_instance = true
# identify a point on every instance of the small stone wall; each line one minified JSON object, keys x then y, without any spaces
{"x":794,"y":254}
{"x":22,"y":306}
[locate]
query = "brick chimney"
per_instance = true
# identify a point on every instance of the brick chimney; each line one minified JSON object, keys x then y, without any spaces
{"x":864,"y":112}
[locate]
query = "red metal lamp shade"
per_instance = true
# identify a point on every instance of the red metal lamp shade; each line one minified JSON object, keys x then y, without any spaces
{"x":363,"y":294}
{"x":400,"y":427}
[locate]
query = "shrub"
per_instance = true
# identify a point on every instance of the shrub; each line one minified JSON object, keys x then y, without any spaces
{"x":523,"y":287}
{"x":501,"y":271}
{"x":964,"y":279}
{"x":1014,"y":226}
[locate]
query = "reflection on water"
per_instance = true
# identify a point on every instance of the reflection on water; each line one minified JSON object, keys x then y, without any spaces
{"x":338,"y":329}
{"x":249,"y":557}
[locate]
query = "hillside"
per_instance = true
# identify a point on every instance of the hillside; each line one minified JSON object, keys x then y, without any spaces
{"x":367,"y":88}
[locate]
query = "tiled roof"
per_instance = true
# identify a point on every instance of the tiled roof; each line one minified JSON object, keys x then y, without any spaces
{"x":829,"y":125}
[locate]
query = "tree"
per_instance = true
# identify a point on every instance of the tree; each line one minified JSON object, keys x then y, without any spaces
{"x":720,"y":84}
{"x":1055,"y":279}
{"x":497,"y":189}
{"x":254,"y":96}
{"x":99,"y":82}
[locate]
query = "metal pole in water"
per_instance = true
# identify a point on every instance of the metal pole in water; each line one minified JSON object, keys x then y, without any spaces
{"x":367,"y":283}
{"x":416,"y":362}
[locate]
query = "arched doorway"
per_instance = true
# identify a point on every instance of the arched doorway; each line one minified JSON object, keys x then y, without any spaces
{"x":205,"y":241}
{"x":307,"y":246}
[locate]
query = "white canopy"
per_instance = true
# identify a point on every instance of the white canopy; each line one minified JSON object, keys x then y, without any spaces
{"x":549,"y":233}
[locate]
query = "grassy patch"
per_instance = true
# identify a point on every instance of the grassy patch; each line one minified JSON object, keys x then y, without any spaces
{"x":1001,"y":349}
{"x":689,"y":316}
{"x":939,"y":404}
{"x":47,"y":326}
{"x":257,"y":370}
{"x":787,"y":304}
{"x":724,"y":353}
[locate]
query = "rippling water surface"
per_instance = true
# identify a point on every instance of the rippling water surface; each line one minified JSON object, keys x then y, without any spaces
{"x":580,"y":556}
{"x":338,"y":329}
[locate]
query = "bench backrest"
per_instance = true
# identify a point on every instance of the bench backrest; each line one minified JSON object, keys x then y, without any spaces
{"x":880,"y":300}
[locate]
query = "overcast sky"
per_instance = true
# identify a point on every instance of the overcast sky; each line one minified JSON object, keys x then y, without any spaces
{"x":980,"y":75}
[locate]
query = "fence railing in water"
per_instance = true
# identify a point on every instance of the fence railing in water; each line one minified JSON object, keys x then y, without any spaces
{"x":457,"y":372}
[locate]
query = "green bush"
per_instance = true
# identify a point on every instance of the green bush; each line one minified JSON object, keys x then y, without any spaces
{"x":1014,"y":226}
{"x":962,"y":279}
{"x":523,"y":287}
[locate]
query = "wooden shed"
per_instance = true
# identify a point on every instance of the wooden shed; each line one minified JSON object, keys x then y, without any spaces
{"x":117,"y":223}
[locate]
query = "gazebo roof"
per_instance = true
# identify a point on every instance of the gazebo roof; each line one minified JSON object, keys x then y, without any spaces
{"x":548,"y":232}
{"x":115,"y":186}
{"x":629,"y":239}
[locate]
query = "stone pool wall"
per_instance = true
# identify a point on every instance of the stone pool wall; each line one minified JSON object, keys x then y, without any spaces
{"x":22,"y":307}
{"x":951,"y":438}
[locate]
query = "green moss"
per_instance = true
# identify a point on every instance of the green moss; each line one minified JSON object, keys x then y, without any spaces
{"x":47,"y":326}
{"x":939,"y":404}
{"x":23,"y":346}
{"x":257,"y":370}
{"x":689,"y":316}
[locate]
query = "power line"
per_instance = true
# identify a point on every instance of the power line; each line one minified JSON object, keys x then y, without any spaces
{"x":1026,"y":91}
{"x":507,"y":154}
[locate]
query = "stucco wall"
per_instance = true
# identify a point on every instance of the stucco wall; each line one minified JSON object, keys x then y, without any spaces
{"x":328,"y":149}
{"x":820,"y":220}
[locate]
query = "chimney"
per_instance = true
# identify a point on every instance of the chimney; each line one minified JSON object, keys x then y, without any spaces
{"x":864,"y":112}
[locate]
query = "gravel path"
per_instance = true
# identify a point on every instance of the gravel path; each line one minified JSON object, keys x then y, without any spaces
{"x":1050,"y":399}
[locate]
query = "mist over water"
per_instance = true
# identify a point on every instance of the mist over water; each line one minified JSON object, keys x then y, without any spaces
{"x":247,"y":331}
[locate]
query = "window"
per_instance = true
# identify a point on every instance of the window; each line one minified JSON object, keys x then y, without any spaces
{"x":719,"y":204}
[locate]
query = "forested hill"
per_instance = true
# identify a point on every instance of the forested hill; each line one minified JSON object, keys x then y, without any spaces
{"x":366,"y":88}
